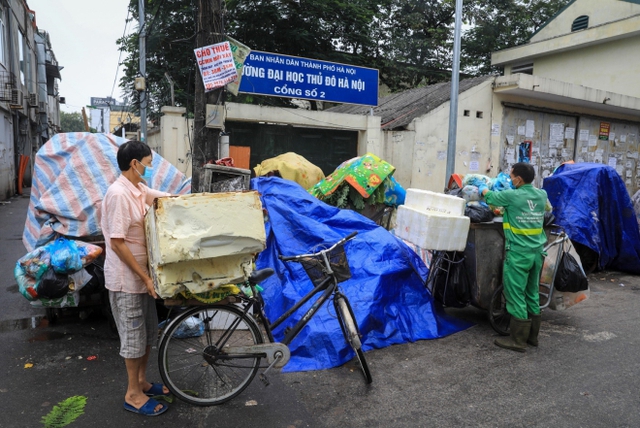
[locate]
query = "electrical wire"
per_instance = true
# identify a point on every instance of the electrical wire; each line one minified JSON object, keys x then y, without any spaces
{"x":124,"y":32}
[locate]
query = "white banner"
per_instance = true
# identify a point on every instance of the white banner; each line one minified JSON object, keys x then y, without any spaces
{"x":216,"y":65}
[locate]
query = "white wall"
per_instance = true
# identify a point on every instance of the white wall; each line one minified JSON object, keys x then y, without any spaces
{"x":598,"y":11}
{"x":8,"y":170}
{"x":420,"y":153}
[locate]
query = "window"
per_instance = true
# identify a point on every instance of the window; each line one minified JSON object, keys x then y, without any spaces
{"x":466,"y":113}
{"x":580,"y":23}
{"x":21,"y":58}
{"x":522,"y":68}
{"x":2,"y":29}
{"x":479,"y":115}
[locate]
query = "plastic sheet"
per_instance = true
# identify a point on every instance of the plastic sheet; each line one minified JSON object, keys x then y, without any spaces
{"x":72,"y":173}
{"x":386,"y":289}
{"x":592,"y":205}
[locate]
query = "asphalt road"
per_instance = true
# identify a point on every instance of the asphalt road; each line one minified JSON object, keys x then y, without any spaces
{"x":584,"y":374}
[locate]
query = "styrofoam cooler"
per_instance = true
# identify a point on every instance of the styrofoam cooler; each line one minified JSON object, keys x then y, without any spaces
{"x":203,"y":240}
{"x":437,"y":203}
{"x":432,"y":231}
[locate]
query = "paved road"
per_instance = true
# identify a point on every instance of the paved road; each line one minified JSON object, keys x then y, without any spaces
{"x":584,"y":374}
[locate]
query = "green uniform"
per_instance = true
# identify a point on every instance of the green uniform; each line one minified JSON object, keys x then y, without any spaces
{"x":524,"y":246}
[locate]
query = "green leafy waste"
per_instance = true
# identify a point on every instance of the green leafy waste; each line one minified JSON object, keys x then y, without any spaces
{"x":65,"y":412}
{"x":346,"y":196}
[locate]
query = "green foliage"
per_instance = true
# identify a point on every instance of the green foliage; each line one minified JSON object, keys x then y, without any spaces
{"x":409,"y":41}
{"x":65,"y":412}
{"x":346,"y":197}
{"x":501,"y":24}
{"x":340,"y":197}
{"x":71,"y":122}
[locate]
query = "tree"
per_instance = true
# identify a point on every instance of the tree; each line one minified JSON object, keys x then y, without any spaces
{"x":71,"y":122}
{"x":409,"y":41}
{"x":500,"y":24}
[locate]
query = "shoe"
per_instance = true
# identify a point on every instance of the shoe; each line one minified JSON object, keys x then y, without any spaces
{"x":517,"y":341}
{"x":147,"y":409}
{"x":535,"y":329}
{"x":156,"y":390}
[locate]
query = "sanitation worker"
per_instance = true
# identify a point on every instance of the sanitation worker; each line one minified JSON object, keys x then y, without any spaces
{"x":524,"y":253}
{"x":131,"y":291}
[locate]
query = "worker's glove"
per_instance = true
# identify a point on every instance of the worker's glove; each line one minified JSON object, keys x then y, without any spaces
{"x":482,"y":187}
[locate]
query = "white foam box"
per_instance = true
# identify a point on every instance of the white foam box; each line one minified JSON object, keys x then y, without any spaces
{"x":203,"y":240}
{"x":432,"y":231}
{"x":437,"y":203}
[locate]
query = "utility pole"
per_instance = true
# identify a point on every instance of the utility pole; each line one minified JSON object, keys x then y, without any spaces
{"x":141,"y":85}
{"x":455,"y":84}
{"x":209,"y":30}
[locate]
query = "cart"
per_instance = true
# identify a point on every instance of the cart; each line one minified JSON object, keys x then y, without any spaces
{"x":93,"y":295}
{"x":478,"y":272}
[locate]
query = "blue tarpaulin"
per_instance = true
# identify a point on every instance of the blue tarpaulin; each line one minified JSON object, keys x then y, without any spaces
{"x":386,"y":289}
{"x":591,"y":203}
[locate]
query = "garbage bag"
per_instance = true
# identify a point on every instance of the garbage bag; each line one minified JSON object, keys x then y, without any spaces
{"x":470,"y":193}
{"x":53,"y":285}
{"x":26,"y":283}
{"x":65,"y":256}
{"x":478,"y":213}
{"x":570,"y":277}
{"x":501,"y":182}
{"x":190,"y":327}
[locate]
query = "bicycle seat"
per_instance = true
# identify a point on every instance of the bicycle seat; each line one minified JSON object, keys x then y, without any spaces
{"x":257,"y":276}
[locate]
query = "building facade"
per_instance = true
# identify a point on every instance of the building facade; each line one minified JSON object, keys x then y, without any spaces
{"x":29,"y":98}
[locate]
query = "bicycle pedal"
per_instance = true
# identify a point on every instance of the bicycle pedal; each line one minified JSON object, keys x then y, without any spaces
{"x":264,"y":379}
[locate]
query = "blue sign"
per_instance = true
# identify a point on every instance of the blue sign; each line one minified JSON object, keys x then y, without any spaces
{"x":294,"y":77}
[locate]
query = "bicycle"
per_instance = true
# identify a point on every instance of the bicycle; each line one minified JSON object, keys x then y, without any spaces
{"x":499,"y":318}
{"x":220,"y":359}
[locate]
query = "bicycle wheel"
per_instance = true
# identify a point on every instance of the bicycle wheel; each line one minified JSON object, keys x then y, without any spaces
{"x":191,"y":354}
{"x":498,"y":315}
{"x":351,"y":332}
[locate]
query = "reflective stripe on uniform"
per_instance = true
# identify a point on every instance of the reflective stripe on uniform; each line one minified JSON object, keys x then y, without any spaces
{"x":516,"y":231}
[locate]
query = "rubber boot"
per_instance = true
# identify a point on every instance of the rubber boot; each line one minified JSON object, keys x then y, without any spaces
{"x":517,"y":341}
{"x":535,"y":329}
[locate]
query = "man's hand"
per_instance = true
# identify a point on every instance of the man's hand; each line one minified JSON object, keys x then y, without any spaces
{"x":482,"y":188}
{"x":148,"y":282}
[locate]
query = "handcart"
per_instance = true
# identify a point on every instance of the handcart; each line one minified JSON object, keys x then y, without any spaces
{"x":475,"y":276}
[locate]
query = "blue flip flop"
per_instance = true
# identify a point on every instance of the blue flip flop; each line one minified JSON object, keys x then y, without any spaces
{"x":147,"y":409}
{"x":156,"y":391}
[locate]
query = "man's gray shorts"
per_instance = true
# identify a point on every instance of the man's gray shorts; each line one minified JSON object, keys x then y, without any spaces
{"x":137,"y":322}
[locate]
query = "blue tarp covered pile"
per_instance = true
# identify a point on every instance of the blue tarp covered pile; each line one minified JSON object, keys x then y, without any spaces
{"x":386,"y":289}
{"x":592,"y":205}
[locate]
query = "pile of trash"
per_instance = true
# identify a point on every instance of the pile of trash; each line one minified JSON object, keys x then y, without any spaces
{"x":54,"y":274}
{"x":477,"y":209}
{"x":363,"y":184}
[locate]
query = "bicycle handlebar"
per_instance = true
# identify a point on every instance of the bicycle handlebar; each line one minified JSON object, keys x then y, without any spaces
{"x":340,"y":242}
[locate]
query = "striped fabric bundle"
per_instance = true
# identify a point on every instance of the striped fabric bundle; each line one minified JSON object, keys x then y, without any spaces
{"x":72,"y":173}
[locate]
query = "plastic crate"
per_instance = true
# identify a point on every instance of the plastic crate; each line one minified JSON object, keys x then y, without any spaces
{"x":219,"y":178}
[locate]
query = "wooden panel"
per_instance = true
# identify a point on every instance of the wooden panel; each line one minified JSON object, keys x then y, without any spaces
{"x":241,"y":156}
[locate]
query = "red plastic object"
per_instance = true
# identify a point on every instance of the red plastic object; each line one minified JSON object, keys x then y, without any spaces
{"x":455,"y":178}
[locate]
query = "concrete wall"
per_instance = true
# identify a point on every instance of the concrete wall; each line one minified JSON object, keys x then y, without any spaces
{"x":171,"y":138}
{"x":420,"y":153}
{"x":609,"y":66}
{"x":599,"y":12}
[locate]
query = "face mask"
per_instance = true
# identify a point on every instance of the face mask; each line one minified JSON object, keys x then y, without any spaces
{"x":146,"y":174}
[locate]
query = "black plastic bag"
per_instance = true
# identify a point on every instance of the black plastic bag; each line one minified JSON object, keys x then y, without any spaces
{"x":53,"y":285}
{"x":570,"y":276}
{"x":449,"y":283}
{"x":478,"y":213}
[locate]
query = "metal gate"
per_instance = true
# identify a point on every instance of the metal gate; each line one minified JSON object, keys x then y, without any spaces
{"x":326,"y":148}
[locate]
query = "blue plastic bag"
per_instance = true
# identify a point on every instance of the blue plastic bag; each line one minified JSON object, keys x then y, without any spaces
{"x":501,"y":182}
{"x":65,"y":256}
